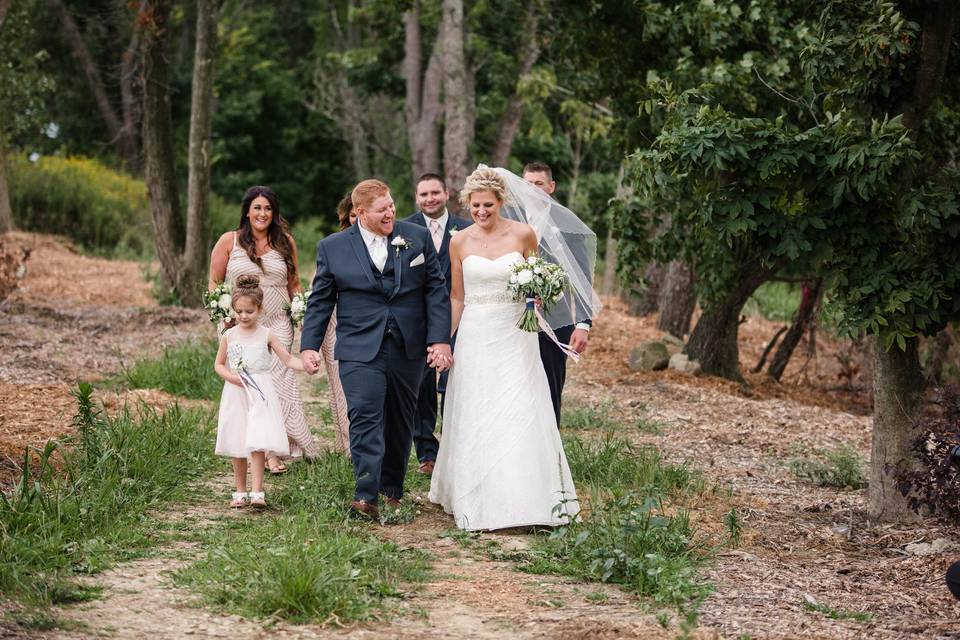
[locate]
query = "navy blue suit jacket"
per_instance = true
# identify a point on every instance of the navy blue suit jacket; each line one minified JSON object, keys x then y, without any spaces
{"x":419,"y":302}
{"x":453,"y":223}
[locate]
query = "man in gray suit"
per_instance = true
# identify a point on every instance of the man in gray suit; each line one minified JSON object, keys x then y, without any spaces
{"x":391,"y":300}
{"x":432,"y":196}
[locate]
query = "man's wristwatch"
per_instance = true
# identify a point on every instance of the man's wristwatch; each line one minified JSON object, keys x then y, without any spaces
{"x":583,"y":325}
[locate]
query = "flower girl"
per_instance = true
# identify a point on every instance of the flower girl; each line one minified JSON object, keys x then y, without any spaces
{"x":250,"y":422}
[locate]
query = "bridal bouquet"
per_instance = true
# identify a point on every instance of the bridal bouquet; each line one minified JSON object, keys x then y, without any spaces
{"x":532,"y":279}
{"x":219,"y":303}
{"x":297,"y":308}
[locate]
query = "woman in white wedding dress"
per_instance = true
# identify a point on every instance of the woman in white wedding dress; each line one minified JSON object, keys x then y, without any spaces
{"x":501,"y":462}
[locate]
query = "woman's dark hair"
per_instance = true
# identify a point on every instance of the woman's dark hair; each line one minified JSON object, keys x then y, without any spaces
{"x":344,"y":207}
{"x":278,"y":233}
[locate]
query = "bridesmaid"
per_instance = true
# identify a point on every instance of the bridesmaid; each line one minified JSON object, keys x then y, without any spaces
{"x":262,"y":246}
{"x":338,"y":403}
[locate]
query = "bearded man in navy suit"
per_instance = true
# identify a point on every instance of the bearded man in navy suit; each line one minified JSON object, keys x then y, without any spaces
{"x":393,"y":319}
{"x":432,"y":196}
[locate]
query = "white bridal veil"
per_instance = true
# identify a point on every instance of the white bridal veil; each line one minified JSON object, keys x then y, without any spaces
{"x":564,"y":240}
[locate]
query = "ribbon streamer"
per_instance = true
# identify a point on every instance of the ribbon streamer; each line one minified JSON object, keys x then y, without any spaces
{"x":248,"y":382}
{"x":573,"y":355}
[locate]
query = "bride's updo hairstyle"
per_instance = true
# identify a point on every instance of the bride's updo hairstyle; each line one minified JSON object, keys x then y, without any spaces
{"x":485,"y":179}
{"x":248,"y":286}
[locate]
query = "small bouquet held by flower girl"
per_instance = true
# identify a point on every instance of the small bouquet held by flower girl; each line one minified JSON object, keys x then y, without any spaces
{"x":297,"y":308}
{"x":536,"y":278}
{"x":219,"y":303}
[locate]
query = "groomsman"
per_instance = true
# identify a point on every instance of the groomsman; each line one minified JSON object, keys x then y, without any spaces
{"x":576,"y":335}
{"x":432,"y":196}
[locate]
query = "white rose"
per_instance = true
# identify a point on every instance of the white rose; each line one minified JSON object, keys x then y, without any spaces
{"x":296,"y":306}
{"x":225,"y":301}
{"x":525,"y":277}
{"x":513,"y":279}
{"x":532,"y":260}
{"x":537,"y":270}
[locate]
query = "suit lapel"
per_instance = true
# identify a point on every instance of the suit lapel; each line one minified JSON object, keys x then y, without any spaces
{"x":397,"y":262}
{"x":363,"y":256}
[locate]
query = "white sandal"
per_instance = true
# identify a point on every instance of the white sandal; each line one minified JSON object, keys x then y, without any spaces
{"x":240,"y":499}
{"x":257,"y":499}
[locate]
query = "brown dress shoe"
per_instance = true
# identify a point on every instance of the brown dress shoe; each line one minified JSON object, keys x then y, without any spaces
{"x":394,"y":503}
{"x":427,"y":467}
{"x":364,"y":508}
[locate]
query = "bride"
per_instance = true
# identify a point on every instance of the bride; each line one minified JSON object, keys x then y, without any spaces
{"x":501,"y":462}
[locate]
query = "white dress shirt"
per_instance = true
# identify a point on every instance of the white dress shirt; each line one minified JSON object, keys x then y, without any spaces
{"x":376,"y":246}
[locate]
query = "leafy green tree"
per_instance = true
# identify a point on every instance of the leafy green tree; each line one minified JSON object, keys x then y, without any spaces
{"x":25,"y":87}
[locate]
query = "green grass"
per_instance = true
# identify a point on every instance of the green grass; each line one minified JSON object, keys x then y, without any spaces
{"x":309,"y":561}
{"x":840,"y":467}
{"x":92,"y":506}
{"x":582,"y":418}
{"x":633,"y":531}
{"x":837,"y":614}
{"x":774,"y":301}
{"x":184,"y":370}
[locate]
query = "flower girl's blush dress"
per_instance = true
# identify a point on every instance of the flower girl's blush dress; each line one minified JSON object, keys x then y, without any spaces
{"x":250,"y":417}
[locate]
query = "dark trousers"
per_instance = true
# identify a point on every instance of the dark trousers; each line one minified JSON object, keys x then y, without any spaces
{"x":381,"y":402}
{"x":555,"y":364}
{"x":425,"y":420}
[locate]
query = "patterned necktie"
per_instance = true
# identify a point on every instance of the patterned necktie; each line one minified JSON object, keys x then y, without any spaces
{"x":378,"y":252}
{"x":437,"y":234}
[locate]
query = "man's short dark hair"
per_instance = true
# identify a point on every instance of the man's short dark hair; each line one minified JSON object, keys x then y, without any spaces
{"x":431,"y":176}
{"x":539,"y":167}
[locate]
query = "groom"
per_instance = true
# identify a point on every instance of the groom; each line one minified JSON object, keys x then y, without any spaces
{"x":391,"y":301}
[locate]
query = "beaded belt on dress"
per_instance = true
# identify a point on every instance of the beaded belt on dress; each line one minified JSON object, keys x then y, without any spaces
{"x":498,"y":297}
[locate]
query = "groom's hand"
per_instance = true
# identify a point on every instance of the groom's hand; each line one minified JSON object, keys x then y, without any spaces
{"x":578,"y":340}
{"x":311,"y":361}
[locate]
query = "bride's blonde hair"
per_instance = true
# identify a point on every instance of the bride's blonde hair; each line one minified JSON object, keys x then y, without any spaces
{"x":485,"y":179}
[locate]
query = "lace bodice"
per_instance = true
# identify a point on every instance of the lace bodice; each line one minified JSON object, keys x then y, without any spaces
{"x":251,"y":350}
{"x":485,"y":280}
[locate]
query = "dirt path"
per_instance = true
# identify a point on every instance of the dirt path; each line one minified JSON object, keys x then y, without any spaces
{"x":803,"y":547}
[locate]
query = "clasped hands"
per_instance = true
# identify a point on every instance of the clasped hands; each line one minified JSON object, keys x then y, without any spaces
{"x":440,"y":357}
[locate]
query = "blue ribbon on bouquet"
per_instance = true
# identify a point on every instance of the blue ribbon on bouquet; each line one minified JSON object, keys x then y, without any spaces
{"x":250,"y":383}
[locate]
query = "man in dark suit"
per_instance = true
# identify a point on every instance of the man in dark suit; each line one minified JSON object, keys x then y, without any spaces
{"x":391,"y":301}
{"x":540,"y":175}
{"x":432,"y":196}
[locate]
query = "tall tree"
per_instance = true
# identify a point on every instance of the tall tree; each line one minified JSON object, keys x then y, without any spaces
{"x":457,"y":121}
{"x":423,"y":107}
{"x":181,"y":244}
{"x":121,"y":134}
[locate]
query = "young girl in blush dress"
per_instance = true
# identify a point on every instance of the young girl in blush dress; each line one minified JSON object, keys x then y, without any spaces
{"x":250,"y":421}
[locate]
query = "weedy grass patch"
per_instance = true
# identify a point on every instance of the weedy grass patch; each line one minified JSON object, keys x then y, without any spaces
{"x":184,"y":370}
{"x":89,"y":502}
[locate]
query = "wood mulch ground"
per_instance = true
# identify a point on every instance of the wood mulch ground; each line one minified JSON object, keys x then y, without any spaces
{"x":804,"y":547}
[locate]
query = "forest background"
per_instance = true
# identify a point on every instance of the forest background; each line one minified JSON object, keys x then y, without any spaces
{"x":715,"y":146}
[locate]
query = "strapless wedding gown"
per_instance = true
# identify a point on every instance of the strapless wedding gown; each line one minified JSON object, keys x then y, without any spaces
{"x":501,"y":463}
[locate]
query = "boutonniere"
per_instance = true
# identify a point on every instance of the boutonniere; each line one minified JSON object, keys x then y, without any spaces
{"x":400,"y":243}
{"x":454,"y":231}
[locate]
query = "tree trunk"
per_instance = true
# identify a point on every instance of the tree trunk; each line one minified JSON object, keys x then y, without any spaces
{"x":6,"y":213}
{"x":677,"y":299}
{"x":808,"y":304}
{"x":898,"y":384}
{"x":938,"y":25}
{"x":713,"y":341}
{"x":510,"y":120}
{"x":118,"y":135}
{"x":456,"y":133}
{"x":159,"y":171}
{"x":609,"y":286}
{"x":422,"y":106}
{"x":648,"y":301}
{"x":4,"y":10}
{"x":941,"y":349}
{"x":194,"y":265}
{"x":129,"y":107}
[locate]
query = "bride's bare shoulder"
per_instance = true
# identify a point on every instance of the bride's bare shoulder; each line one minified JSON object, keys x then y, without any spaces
{"x":523,"y":230}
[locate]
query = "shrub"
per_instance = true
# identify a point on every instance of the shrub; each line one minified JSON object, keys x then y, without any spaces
{"x":840,"y":467}
{"x":102,"y":209}
{"x":935,"y":486}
